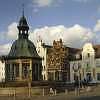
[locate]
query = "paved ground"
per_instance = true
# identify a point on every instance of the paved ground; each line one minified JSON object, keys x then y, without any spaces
{"x":60,"y":97}
{"x":93,"y":94}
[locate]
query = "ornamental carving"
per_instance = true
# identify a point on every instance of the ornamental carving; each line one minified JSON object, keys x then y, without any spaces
{"x":57,"y":56}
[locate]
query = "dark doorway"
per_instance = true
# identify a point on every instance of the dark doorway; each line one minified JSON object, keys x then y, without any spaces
{"x":88,"y":77}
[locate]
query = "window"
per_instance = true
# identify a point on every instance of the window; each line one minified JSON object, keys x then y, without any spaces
{"x":97,"y":63}
{"x":17,"y":71}
{"x":98,"y":76}
{"x":57,"y":75}
{"x":50,"y":76}
{"x":87,"y":65}
{"x":21,"y":32}
{"x":25,"y":32}
{"x":44,"y":67}
{"x":25,"y":67}
{"x":88,"y":77}
{"x":88,"y":55}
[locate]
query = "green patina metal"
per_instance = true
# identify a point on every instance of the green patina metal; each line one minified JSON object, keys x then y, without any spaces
{"x":23,"y":47}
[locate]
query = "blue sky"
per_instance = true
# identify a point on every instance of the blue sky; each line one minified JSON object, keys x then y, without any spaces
{"x":66,"y":12}
{"x":42,"y":15}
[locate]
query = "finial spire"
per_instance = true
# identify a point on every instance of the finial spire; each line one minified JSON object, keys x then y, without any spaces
{"x":23,"y":9}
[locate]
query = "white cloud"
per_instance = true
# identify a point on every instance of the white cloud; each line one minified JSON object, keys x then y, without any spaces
{"x":45,"y":3}
{"x":97,"y":26}
{"x":74,"y":36}
{"x":42,"y":3}
{"x":5,"y":48}
{"x":35,"y":10}
{"x":12,"y":31}
{"x":10,"y":34}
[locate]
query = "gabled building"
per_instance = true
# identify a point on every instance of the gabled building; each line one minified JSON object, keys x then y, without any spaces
{"x":56,"y":60}
{"x":87,"y":64}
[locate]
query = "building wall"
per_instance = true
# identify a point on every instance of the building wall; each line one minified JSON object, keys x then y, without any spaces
{"x":23,"y":69}
{"x":98,"y":69}
{"x":57,"y":53}
{"x":2,"y":71}
{"x":77,"y":64}
{"x":42,"y":52}
{"x":57,"y":62}
{"x":88,"y":61}
{"x":88,"y":64}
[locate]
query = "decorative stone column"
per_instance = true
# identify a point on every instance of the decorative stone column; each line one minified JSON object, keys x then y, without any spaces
{"x":30,"y":68}
{"x":20,"y":70}
{"x":14,"y":72}
{"x":94,"y":74}
{"x":46,"y":74}
{"x":54,"y":75}
{"x":11,"y":73}
{"x":82,"y":73}
{"x":38,"y":71}
{"x":60,"y":78}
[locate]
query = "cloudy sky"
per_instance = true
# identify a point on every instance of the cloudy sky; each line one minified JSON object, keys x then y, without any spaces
{"x":75,"y":21}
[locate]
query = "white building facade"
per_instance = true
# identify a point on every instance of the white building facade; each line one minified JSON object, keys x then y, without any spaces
{"x":88,"y":62}
{"x":2,"y":71}
{"x":42,"y":52}
{"x":88,"y":66}
{"x":75,"y":69}
{"x":98,"y":69}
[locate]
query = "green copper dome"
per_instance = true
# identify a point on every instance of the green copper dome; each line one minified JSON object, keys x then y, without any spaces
{"x":23,"y":47}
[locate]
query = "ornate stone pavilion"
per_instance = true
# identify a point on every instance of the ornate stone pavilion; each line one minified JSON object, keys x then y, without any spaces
{"x":23,"y":61}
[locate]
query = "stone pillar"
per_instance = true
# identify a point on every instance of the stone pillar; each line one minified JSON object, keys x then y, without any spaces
{"x":73,"y":77}
{"x":38,"y":71}
{"x":71,"y":74}
{"x":82,"y":73}
{"x":14,"y":72}
{"x":85,"y":73}
{"x":30,"y":68}
{"x":35,"y":71}
{"x":54,"y":75}
{"x":46,"y":75}
{"x":20,"y":70}
{"x":67,"y":76}
{"x":43,"y":75}
{"x":11,"y":72}
{"x":94,"y":74}
{"x":60,"y":78}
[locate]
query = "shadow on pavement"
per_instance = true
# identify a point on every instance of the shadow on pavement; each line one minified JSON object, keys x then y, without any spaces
{"x":89,"y":98}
